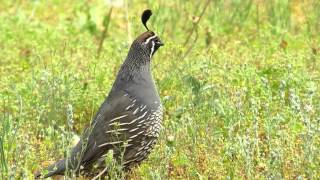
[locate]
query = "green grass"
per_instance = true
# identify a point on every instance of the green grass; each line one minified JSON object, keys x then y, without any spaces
{"x":241,"y":98}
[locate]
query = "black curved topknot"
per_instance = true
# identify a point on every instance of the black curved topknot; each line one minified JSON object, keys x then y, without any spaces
{"x":145,"y":17}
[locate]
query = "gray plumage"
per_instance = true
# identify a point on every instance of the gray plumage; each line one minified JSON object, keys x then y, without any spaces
{"x":129,"y":120}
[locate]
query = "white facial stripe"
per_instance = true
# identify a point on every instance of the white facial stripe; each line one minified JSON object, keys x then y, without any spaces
{"x":152,"y":49}
{"x":147,"y":41}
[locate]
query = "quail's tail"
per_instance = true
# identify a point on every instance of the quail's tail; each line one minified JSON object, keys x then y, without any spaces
{"x":57,"y":168}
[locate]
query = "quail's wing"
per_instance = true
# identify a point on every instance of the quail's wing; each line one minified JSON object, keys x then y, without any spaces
{"x":117,"y":125}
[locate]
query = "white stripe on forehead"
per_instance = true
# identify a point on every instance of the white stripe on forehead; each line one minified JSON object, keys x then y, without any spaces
{"x":147,"y":41}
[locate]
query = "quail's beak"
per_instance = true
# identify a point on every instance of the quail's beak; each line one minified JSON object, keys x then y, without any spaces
{"x":160,"y":43}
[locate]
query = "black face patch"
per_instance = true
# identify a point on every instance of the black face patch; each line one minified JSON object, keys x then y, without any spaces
{"x":153,"y":43}
{"x":150,"y":42}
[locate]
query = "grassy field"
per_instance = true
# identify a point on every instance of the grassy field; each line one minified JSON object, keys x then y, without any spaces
{"x":239,"y":80}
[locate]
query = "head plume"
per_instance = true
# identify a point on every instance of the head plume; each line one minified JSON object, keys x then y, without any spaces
{"x":145,"y":17}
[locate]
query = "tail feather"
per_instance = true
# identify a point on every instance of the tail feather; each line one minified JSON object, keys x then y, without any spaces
{"x":57,"y":168}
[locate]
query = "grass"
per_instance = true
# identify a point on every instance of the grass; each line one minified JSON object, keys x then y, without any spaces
{"x":241,"y":97}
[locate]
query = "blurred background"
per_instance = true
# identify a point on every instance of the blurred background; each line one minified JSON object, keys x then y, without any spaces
{"x":239,"y":80}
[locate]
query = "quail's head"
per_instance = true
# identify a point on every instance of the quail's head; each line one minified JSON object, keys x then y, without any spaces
{"x":148,"y":41}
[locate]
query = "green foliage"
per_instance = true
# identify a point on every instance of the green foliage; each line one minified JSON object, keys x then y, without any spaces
{"x":242,"y":104}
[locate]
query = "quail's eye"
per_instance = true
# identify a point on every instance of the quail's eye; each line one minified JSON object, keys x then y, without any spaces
{"x":159,"y":42}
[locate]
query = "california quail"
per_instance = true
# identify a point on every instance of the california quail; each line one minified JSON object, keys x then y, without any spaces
{"x":129,"y":120}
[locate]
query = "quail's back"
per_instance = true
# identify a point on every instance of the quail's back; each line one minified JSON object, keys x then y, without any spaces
{"x":129,"y":120}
